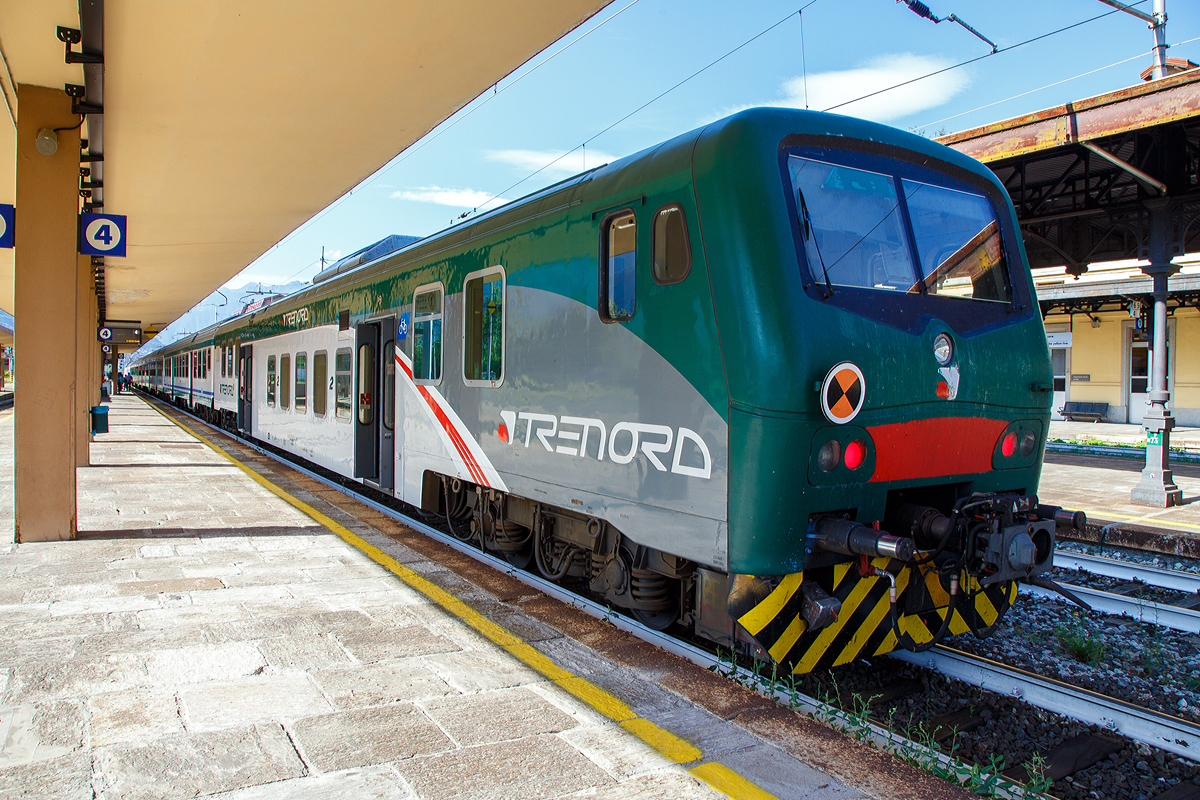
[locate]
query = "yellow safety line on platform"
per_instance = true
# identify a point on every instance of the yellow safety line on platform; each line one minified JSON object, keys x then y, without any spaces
{"x":667,"y":744}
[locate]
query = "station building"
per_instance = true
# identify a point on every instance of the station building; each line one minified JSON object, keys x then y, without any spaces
{"x":1098,"y":330}
{"x":1107,"y":193}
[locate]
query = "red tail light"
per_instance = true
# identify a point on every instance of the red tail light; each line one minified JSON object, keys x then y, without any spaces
{"x":1009,"y":446}
{"x":856,"y":454}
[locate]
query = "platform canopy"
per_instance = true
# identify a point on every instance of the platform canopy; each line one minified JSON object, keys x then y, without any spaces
{"x":1082,"y":175}
{"x":226,"y":124}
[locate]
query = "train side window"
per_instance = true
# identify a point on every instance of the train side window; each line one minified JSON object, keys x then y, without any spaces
{"x":388,"y":389}
{"x":285,"y":381}
{"x":672,"y":253}
{"x":483,"y":328}
{"x":320,"y":375}
{"x":427,"y":335}
{"x":301,"y":383}
{"x":618,"y":261}
{"x":271,"y":381}
{"x":343,"y":367}
{"x":222,"y":362}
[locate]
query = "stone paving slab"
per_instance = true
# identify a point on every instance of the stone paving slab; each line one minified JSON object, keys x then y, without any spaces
{"x":165,"y":655}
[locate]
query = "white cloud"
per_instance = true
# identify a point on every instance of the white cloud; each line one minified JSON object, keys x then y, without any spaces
{"x":455,"y":198}
{"x":826,"y":89}
{"x":566,"y":165}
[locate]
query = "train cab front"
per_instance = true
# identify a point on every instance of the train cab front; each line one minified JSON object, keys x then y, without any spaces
{"x":883,"y":479}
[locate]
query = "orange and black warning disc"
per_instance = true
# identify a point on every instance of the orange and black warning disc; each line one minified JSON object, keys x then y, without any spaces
{"x":842,"y":393}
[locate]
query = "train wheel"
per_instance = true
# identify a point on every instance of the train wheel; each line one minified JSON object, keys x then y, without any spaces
{"x":521,"y":559}
{"x":656,"y":620}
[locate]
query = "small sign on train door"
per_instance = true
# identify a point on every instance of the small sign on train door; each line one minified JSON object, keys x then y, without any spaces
{"x":102,"y":234}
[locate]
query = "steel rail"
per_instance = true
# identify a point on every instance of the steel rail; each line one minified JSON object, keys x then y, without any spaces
{"x":1134,"y":722}
{"x":1142,"y":725}
{"x":1127,"y":570}
{"x":1174,"y":617}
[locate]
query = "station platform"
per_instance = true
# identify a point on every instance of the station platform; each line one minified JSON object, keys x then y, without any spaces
{"x":1100,"y":486}
{"x":225,"y":626}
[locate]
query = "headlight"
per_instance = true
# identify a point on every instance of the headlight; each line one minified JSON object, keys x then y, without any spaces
{"x":943,"y":349}
{"x":829,"y":455}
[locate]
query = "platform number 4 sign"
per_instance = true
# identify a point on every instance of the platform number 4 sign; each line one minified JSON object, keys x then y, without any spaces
{"x":102,"y":235}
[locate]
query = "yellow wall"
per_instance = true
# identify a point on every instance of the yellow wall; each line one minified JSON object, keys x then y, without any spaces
{"x":1187,"y":359}
{"x":1097,"y":352}
{"x":1100,"y":352}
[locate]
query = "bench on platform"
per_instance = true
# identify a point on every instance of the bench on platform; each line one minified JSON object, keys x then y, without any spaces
{"x":1085,"y":412}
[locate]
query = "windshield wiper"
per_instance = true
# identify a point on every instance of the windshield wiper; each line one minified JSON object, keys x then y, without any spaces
{"x":807,"y":220}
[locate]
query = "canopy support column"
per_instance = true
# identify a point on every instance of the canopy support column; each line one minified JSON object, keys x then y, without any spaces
{"x":46,"y":318}
{"x":1157,"y":487}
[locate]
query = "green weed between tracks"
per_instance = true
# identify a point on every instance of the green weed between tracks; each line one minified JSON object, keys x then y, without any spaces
{"x":915,"y":744}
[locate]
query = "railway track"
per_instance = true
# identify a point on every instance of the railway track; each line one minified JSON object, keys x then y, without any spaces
{"x":1125,"y":598}
{"x":1148,"y":728}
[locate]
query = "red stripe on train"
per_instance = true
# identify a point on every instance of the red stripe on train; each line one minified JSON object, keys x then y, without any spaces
{"x":455,"y":437}
{"x":933,"y":448}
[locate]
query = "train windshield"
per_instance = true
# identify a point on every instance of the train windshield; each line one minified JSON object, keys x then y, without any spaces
{"x":871,"y":230}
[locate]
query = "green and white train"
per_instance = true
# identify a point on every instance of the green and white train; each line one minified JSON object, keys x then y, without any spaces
{"x":781,"y":382}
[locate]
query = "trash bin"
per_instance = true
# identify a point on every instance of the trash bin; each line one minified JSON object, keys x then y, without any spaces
{"x":99,"y":419}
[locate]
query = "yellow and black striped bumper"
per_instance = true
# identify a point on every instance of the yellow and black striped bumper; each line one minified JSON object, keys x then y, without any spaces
{"x":769,"y":611}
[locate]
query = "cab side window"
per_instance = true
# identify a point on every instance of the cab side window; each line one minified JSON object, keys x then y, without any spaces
{"x":618,"y":258}
{"x":271,"y":381}
{"x":672,"y":253}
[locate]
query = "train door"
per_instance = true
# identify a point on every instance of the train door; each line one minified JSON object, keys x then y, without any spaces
{"x":375,"y":415}
{"x":245,"y":395}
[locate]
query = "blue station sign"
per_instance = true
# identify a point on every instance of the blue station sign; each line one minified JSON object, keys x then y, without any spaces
{"x":102,"y":234}
{"x":6,"y":225}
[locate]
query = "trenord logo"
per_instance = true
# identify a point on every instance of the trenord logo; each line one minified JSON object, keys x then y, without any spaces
{"x":572,"y":437}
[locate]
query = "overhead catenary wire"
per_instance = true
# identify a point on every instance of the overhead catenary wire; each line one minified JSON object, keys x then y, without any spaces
{"x":651,"y":101}
{"x":979,"y":58}
{"x":1048,"y":86}
{"x":799,"y":14}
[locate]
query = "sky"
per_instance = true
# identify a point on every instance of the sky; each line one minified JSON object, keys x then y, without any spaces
{"x":641,"y":72}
